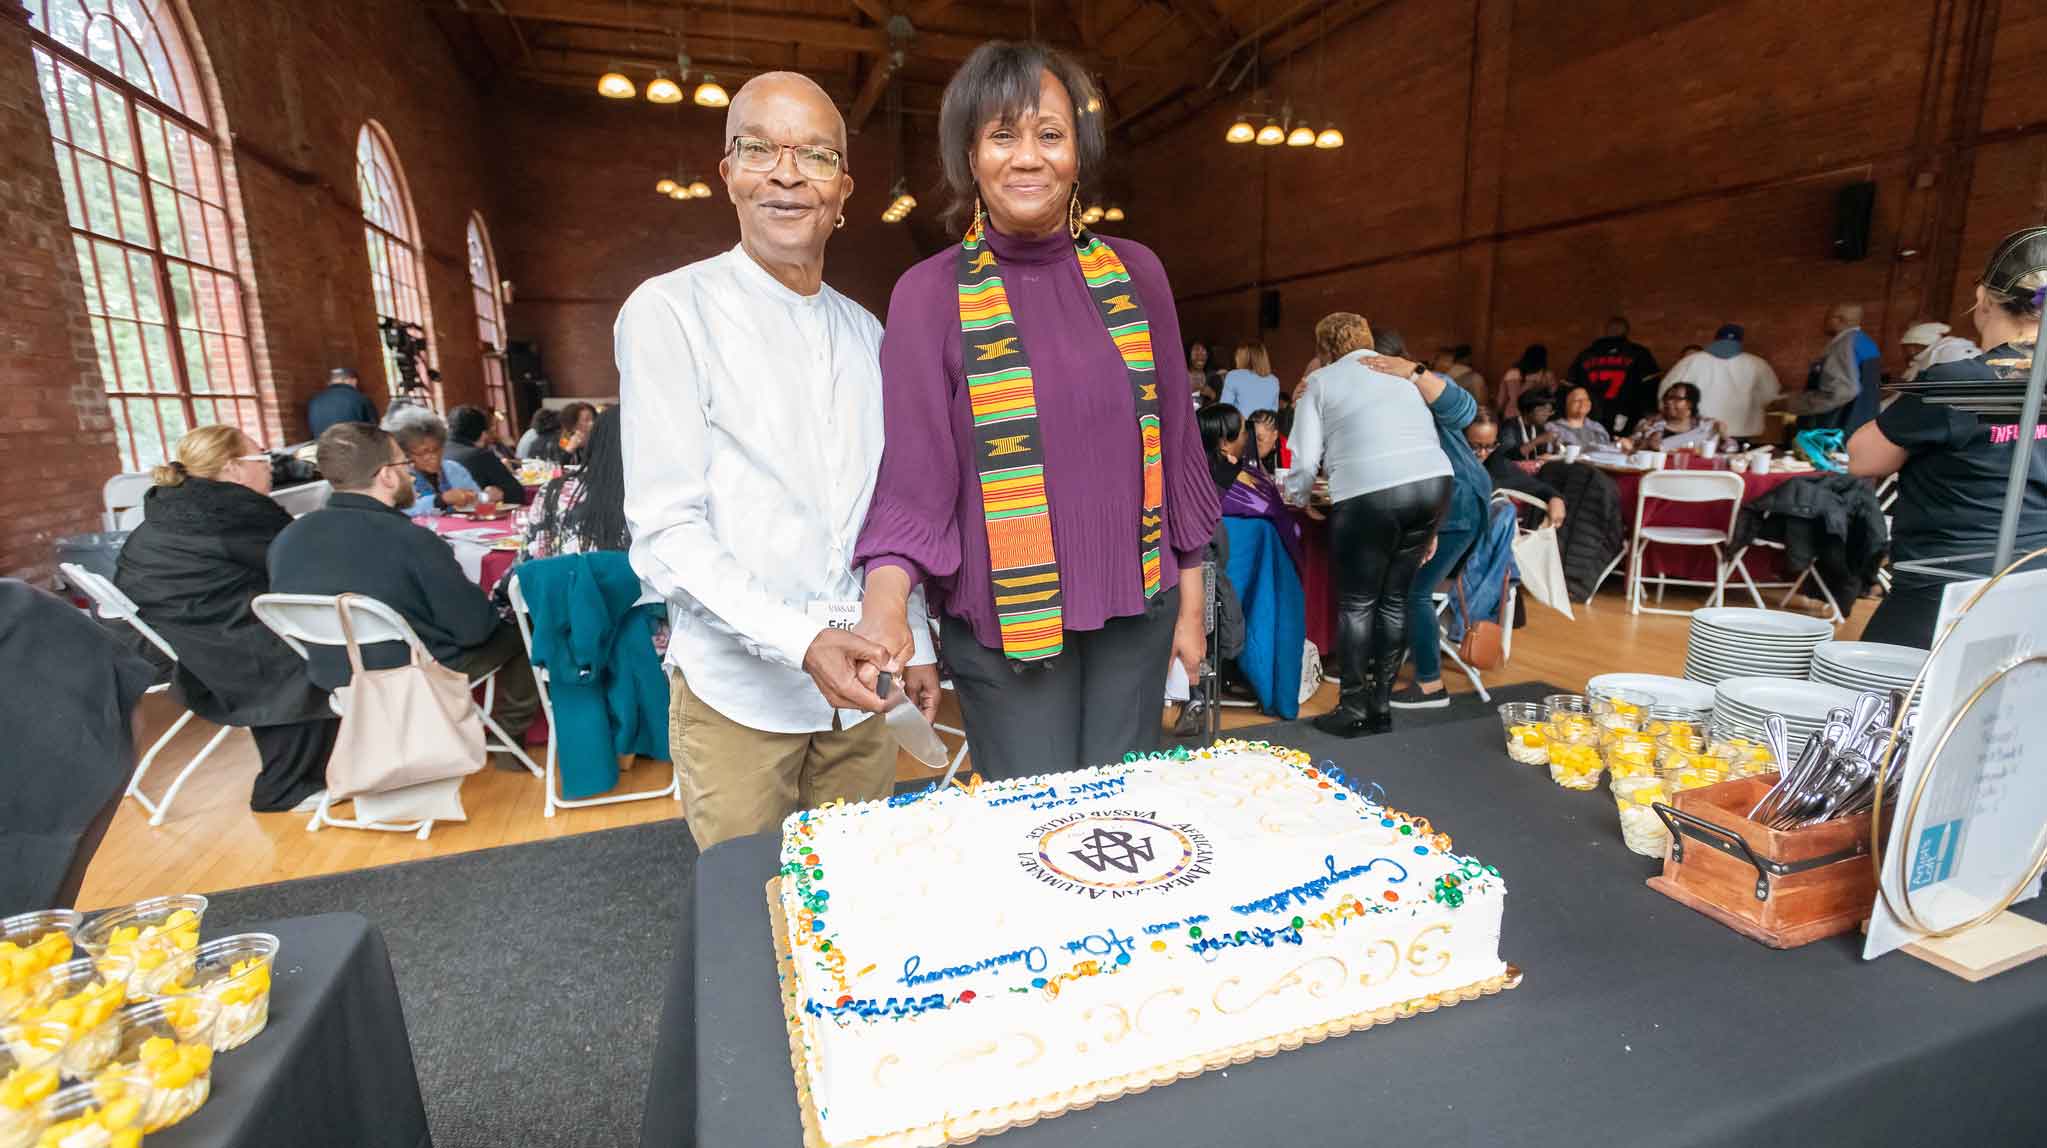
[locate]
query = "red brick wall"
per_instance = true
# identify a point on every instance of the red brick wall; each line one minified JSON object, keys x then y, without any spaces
{"x":54,"y":426}
{"x":1518,"y":171}
{"x":583,"y":225}
{"x":298,"y":81}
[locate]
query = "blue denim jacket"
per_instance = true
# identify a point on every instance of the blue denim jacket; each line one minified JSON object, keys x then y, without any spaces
{"x":1453,"y":410}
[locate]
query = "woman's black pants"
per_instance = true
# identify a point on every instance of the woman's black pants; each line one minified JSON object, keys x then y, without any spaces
{"x":1378,"y":540}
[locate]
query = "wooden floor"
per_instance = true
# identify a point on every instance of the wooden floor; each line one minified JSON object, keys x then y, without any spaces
{"x":211,"y":841}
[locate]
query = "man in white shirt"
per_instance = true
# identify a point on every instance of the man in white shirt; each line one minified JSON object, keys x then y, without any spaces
{"x":752,"y":434}
{"x":1734,"y":384}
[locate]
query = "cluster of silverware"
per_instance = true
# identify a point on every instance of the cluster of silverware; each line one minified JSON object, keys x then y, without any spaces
{"x":1835,"y":774}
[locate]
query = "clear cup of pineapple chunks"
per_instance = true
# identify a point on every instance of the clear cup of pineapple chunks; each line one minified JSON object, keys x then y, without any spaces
{"x":232,"y":972}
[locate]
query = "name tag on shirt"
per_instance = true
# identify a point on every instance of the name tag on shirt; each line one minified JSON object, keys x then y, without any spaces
{"x":837,"y":615}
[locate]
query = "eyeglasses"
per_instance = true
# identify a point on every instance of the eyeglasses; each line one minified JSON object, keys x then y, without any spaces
{"x":813,"y":161}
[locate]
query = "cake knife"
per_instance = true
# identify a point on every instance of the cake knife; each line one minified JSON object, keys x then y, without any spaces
{"x":908,"y":724}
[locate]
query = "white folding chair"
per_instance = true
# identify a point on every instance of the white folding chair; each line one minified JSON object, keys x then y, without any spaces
{"x":552,"y":775}
{"x":302,"y":619}
{"x":304,"y":498}
{"x":124,"y":492}
{"x":1691,"y":486}
{"x":113,"y":603}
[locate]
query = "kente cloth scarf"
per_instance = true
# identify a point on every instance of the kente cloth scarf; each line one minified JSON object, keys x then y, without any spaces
{"x":1010,"y":456}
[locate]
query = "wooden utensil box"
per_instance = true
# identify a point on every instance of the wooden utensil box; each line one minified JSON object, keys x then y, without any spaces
{"x":1785,"y":888}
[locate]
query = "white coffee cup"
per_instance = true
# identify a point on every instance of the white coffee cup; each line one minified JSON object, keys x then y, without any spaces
{"x":1738,"y":464}
{"x":1572,"y":452}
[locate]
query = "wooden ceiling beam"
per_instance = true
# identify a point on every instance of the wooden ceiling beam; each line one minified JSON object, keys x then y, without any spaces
{"x":709,"y":24}
{"x":1276,"y":42}
{"x":879,"y":73}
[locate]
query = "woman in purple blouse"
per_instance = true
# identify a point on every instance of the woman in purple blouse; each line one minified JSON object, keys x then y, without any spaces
{"x":1053,"y":503}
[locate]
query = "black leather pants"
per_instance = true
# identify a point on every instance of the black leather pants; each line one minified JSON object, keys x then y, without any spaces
{"x":1378,"y":540}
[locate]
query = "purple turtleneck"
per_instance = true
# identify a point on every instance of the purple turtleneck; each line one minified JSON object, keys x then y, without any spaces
{"x":926,"y":514}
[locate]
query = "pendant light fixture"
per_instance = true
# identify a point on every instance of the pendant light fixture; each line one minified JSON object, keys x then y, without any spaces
{"x":1114,"y":214}
{"x":1301,"y":136}
{"x":711,"y":94}
{"x":1241,"y":131}
{"x":1271,"y":135}
{"x":665,"y":187}
{"x":1329,"y":138}
{"x":614,"y":85}
{"x":662,"y":90}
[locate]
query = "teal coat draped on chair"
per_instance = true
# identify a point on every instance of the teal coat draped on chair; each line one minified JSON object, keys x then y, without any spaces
{"x":605,"y":684}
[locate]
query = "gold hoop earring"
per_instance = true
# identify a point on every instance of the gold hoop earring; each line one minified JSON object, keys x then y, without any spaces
{"x":841,"y":223}
{"x":980,"y":223}
{"x":1073,"y":213}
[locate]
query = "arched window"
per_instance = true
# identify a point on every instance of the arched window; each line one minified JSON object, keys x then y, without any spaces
{"x":397,"y":276}
{"x":490,"y":316}
{"x":139,"y":154}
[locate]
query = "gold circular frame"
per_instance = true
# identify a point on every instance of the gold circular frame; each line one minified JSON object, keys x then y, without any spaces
{"x":1901,"y":907}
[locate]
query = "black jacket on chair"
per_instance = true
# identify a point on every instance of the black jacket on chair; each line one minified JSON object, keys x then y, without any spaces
{"x":1594,"y":525}
{"x":357,"y":545}
{"x":1831,"y":523}
{"x":192,"y":568}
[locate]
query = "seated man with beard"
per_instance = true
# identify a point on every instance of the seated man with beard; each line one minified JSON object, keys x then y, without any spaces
{"x":362,"y":543}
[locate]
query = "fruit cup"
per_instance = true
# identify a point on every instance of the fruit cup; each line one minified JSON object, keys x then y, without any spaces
{"x":1620,"y":709}
{"x":165,"y":1058}
{"x":1641,"y":829}
{"x":148,"y":933}
{"x":1574,"y":761}
{"x":82,"y":998}
{"x":29,"y":944}
{"x":1569,"y":712}
{"x":1746,"y":756}
{"x":1693,"y":762}
{"x":1664,"y":721}
{"x":1628,"y":753}
{"x":90,"y":1115}
{"x":1526,"y":724}
{"x":27,"y":1079}
{"x":232,"y":972}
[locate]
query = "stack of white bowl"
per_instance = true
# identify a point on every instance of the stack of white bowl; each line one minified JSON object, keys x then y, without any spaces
{"x":1740,"y":706}
{"x":1734,"y":641}
{"x":1876,"y":667}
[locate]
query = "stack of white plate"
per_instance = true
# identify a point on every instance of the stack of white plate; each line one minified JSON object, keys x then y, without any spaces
{"x":1733,"y":641}
{"x":1668,"y":691}
{"x":1873,"y":666}
{"x":1741,"y":704}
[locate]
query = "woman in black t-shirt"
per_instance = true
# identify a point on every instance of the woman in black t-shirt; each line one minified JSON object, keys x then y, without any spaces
{"x":1952,"y":465}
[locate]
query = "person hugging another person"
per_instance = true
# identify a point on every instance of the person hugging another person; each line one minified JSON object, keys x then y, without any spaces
{"x":1389,"y":484}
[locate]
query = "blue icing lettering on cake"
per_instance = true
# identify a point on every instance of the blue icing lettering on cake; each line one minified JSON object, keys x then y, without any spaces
{"x":1060,"y":931}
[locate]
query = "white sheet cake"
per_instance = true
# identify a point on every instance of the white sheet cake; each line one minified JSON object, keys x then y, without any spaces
{"x":956,"y":962}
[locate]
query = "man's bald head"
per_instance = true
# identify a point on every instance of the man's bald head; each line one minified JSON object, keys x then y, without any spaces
{"x":745,"y":114}
{"x":1844,"y":316}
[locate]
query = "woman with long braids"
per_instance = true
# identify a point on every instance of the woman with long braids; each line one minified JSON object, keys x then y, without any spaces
{"x":584,"y":511}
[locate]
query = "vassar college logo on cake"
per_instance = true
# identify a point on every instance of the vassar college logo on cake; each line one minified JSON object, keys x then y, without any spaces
{"x":1116,"y":852}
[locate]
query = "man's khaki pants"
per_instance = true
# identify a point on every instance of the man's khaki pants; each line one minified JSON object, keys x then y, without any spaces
{"x":737,"y":780}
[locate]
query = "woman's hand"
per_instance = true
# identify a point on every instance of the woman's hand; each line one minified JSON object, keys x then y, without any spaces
{"x":1431,"y":551}
{"x":920,"y":684}
{"x":1190,"y":629}
{"x":1556,"y":512}
{"x":459,"y":499}
{"x":885,"y":616}
{"x":1390,"y":365}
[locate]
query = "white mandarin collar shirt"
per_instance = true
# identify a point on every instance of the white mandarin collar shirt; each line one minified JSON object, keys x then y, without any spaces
{"x":752,"y":434}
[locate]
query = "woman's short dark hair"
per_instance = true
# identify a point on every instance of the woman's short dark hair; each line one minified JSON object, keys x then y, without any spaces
{"x":1531,"y":401}
{"x":574,"y":412}
{"x":466,"y":424}
{"x":1565,"y":396}
{"x":1000,"y":81}
{"x":1687,"y":391}
{"x":1534,"y":358}
{"x":546,"y":421}
{"x":1220,"y":423}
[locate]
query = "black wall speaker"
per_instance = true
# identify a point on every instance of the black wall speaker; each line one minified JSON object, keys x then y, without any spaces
{"x":1268,"y":309}
{"x":1854,"y":207}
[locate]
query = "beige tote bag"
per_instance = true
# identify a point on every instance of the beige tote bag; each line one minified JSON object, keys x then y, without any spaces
{"x":404,"y":726}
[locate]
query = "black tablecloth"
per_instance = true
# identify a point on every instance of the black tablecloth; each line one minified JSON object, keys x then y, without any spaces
{"x":333,"y":1069}
{"x":1639,"y":1022}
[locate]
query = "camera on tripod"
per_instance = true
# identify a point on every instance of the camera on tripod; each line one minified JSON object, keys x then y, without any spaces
{"x":408,"y":351}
